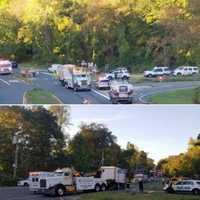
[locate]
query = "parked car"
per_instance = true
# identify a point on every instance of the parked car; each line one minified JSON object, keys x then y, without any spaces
{"x":186,"y":70}
{"x":24,"y":183}
{"x":118,"y":74}
{"x":184,"y":186}
{"x":103,"y":83}
{"x":158,"y":71}
{"x":121,"y":92}
{"x":5,"y":67}
{"x":54,"y":68}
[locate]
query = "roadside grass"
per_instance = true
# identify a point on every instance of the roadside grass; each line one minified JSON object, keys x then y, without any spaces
{"x":139,"y":78}
{"x":34,"y":65}
{"x":184,"y":96}
{"x":39,"y":96}
{"x":138,"y":196}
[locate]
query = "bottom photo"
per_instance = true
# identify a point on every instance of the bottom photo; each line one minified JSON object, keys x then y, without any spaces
{"x":99,"y":152}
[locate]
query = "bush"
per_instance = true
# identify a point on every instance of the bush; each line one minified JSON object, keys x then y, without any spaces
{"x":196,"y":96}
{"x":7,"y":180}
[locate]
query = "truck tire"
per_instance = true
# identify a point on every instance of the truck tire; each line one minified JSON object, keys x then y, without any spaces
{"x":196,"y":191}
{"x":60,"y":191}
{"x":103,"y":187}
{"x":75,"y":89}
{"x":97,"y":188}
{"x":26,"y":184}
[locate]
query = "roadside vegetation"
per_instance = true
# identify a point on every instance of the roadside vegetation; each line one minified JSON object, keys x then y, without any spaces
{"x":139,"y":78}
{"x":136,"y":34}
{"x":40,"y":96}
{"x":184,"y":96}
{"x":128,"y":196}
{"x":45,"y":147}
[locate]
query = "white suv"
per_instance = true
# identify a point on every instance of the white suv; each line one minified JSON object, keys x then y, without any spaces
{"x":186,"y":70}
{"x":158,"y":71}
{"x":190,"y":186}
{"x":118,"y":74}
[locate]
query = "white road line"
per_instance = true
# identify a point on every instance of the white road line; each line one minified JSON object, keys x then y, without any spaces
{"x":4,"y":81}
{"x":46,"y":73}
{"x":99,"y":93}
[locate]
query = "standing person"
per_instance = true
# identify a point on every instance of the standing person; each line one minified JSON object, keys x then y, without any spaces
{"x":141,"y":185}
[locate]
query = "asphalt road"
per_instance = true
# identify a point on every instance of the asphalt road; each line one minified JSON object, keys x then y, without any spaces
{"x":21,"y":193}
{"x":12,"y":90}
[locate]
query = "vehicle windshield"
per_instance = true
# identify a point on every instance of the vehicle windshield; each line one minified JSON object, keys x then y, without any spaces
{"x":104,"y":81}
{"x":123,"y":89}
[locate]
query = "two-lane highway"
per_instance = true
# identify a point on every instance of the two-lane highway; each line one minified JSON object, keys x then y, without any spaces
{"x":12,"y":90}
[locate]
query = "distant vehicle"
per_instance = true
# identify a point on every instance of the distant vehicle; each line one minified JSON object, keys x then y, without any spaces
{"x":186,"y":70}
{"x":103,"y":83}
{"x":118,"y":74}
{"x":66,"y":181}
{"x":158,"y":71}
{"x":121,"y":91}
{"x":138,"y":177}
{"x":54,"y":68}
{"x":185,"y":186}
{"x":34,"y":180}
{"x":75,"y":77}
{"x":5,"y":67}
{"x":24,"y":183}
{"x":14,"y":64}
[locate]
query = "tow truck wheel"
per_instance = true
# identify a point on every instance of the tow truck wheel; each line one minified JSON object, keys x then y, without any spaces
{"x":196,"y":191}
{"x":97,"y":188}
{"x":60,"y":191}
{"x":103,"y":187}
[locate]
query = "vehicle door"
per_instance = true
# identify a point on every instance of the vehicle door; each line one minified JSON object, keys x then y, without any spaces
{"x":178,"y":187}
{"x":68,"y":178}
{"x":158,"y":72}
{"x":190,"y":71}
{"x":185,"y":71}
{"x":187,"y":186}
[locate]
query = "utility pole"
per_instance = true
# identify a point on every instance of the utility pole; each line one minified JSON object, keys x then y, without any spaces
{"x":16,"y":142}
{"x":102,"y":158}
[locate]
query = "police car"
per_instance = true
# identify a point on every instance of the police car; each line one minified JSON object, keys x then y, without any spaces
{"x":188,"y":186}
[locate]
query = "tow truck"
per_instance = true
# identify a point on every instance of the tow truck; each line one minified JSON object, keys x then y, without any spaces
{"x":68,"y":181}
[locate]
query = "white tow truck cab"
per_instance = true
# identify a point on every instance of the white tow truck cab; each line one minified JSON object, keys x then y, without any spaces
{"x":115,"y":176}
{"x":74,"y":77}
{"x":66,"y":181}
{"x":5,"y":67}
{"x":34,"y":180}
{"x":121,"y":91}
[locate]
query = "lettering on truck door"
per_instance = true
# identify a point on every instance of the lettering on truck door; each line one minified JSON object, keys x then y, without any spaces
{"x":84,"y":183}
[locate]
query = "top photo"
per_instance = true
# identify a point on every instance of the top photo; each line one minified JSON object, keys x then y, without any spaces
{"x":99,"y":52}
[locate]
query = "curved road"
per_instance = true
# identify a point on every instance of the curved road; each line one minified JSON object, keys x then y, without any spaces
{"x":12,"y":90}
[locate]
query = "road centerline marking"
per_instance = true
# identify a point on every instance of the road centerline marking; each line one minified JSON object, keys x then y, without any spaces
{"x":99,"y":93}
